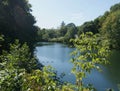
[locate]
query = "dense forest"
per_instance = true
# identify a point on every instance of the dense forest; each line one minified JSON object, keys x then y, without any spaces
{"x":19,"y":69}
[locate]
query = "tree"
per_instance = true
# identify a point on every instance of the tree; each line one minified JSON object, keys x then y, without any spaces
{"x":13,"y":65}
{"x":19,"y":56}
{"x":115,"y":7}
{"x":111,"y":29}
{"x":62,"y":24}
{"x":90,"y":53}
{"x":63,"y":29}
{"x":16,"y":22}
{"x":71,"y":32}
{"x":90,"y":26}
{"x":45,"y":37}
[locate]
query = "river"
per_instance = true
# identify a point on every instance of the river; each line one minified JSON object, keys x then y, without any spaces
{"x":58,"y":55}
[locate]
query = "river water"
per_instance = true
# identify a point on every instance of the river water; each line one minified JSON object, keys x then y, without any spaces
{"x":58,"y":55}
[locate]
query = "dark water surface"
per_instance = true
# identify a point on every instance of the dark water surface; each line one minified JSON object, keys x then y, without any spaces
{"x":58,"y":56}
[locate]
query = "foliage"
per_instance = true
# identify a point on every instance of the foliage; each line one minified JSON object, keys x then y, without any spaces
{"x":11,"y":68}
{"x":10,"y":78}
{"x":63,"y":29}
{"x":16,"y":22}
{"x":1,"y":42}
{"x":89,"y":54}
{"x":111,"y":29}
{"x":115,"y":7}
{"x":62,"y":34}
{"x":71,"y":32}
{"x":1,"y":39}
{"x":40,"y":80}
{"x":17,"y":72}
{"x":90,"y":26}
{"x":19,"y":56}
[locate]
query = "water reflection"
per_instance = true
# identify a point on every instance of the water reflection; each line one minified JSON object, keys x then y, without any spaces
{"x":114,"y":67}
{"x":58,"y":55}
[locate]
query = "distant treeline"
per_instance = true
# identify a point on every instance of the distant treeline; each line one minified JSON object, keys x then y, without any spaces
{"x":108,"y":25}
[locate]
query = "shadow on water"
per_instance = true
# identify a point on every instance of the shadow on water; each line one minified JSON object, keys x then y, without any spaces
{"x":44,"y":43}
{"x":114,"y":68}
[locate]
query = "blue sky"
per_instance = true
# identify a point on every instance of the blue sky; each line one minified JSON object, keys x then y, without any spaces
{"x":50,"y":13}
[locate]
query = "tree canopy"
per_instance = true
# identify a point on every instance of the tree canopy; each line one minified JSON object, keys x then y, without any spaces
{"x":16,"y":22}
{"x":111,"y":27}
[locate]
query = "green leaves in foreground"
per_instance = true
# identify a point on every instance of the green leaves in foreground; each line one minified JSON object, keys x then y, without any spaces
{"x":40,"y":80}
{"x":13,"y":66}
{"x":17,"y":71}
{"x":19,"y":56}
{"x":90,"y":53}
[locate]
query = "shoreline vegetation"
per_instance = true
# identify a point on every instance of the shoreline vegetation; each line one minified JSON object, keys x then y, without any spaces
{"x":18,"y":72}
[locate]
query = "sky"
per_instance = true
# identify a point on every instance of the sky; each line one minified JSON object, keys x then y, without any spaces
{"x":50,"y":13}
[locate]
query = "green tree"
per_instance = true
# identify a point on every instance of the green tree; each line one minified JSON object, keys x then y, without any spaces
{"x":90,"y":26}
{"x":90,"y":53}
{"x":16,"y":22}
{"x":71,"y":32}
{"x":63,"y":29}
{"x":19,"y":56}
{"x":115,"y":7}
{"x":111,"y":29}
{"x":45,"y":37}
{"x":13,"y":66}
